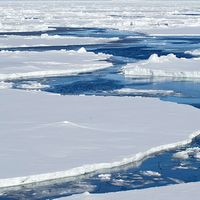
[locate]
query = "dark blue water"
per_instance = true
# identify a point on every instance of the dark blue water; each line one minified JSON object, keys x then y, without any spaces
{"x":159,"y":169}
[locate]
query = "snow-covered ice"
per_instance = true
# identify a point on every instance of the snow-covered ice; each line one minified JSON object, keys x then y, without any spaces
{"x":132,"y":91}
{"x":165,"y":66}
{"x":16,"y":65}
{"x":35,"y":138}
{"x":194,"y":152}
{"x":146,"y":16}
{"x":4,"y":85}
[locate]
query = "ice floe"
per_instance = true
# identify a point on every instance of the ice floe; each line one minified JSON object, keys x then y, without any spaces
{"x":158,"y":16}
{"x":165,"y":66}
{"x":190,"y":152}
{"x":132,"y":91}
{"x":17,"y":65}
{"x":46,"y":138}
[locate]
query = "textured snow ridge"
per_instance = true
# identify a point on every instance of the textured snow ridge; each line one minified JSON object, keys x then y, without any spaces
{"x":179,"y":192}
{"x":11,"y":182}
{"x":165,"y":66}
{"x":195,"y":152}
{"x":17,"y":65}
{"x":133,"y":91}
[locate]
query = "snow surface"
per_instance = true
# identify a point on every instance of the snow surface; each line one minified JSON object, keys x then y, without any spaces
{"x":17,"y":65}
{"x":178,"y":192}
{"x":165,"y":66}
{"x":47,"y":40}
{"x":47,"y":135}
{"x":135,"y":15}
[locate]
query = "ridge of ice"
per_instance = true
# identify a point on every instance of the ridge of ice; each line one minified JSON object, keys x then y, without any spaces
{"x":19,"y":181}
{"x":195,"y":52}
{"x":164,"y":66}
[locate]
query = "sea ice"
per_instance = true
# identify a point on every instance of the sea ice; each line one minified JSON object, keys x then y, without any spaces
{"x":164,"y":66}
{"x":132,"y":91}
{"x":18,"y":65}
{"x":53,"y":136}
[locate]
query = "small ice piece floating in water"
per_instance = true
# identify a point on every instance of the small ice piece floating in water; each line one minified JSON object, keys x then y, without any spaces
{"x":166,"y":167}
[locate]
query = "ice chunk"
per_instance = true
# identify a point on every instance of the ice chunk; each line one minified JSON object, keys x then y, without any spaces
{"x":195,"y":52}
{"x":151,"y":173}
{"x":132,"y":91}
{"x":82,"y":50}
{"x":5,"y":85}
{"x":165,"y":66}
{"x":190,"y":152}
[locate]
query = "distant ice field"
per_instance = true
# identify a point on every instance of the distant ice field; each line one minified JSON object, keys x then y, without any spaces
{"x":148,"y":16}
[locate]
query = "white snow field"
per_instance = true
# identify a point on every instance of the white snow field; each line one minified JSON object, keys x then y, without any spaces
{"x":47,"y":40}
{"x":16,"y":65}
{"x":154,"y":17}
{"x":164,"y":66}
{"x":46,"y":136}
{"x":178,"y":192}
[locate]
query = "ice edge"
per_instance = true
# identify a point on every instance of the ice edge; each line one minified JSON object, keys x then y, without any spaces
{"x":19,"y":181}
